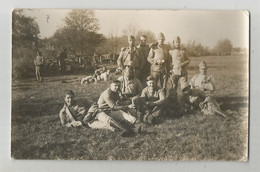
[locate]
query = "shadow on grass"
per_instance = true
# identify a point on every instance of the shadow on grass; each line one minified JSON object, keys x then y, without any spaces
{"x":232,"y":103}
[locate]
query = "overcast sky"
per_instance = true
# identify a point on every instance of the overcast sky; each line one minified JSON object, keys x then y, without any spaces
{"x":206,"y":27}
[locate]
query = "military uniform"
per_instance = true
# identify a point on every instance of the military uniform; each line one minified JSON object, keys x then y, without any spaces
{"x":61,"y":58}
{"x":38,"y":62}
{"x":202,"y":81}
{"x":145,"y":70}
{"x":73,"y":117}
{"x":113,"y":106}
{"x":180,"y":60}
{"x":153,"y":104}
{"x":130,"y":56}
{"x":159,"y":59}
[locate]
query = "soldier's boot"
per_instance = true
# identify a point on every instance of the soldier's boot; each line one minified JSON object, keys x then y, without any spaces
{"x":218,"y":112}
{"x":125,"y":131}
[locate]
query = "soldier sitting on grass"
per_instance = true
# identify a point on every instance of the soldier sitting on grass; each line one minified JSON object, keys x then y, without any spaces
{"x":153,"y":99}
{"x":196,"y":99}
{"x":131,"y":87}
{"x":110,"y":103}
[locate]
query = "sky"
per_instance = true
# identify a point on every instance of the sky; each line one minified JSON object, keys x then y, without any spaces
{"x":206,"y":27}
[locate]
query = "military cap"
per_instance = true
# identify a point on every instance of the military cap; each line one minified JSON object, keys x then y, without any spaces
{"x":177,"y":38}
{"x":150,"y":78}
{"x":203,"y":64}
{"x":161,"y":35}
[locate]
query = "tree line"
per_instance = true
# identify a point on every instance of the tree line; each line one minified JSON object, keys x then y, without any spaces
{"x":81,"y":38}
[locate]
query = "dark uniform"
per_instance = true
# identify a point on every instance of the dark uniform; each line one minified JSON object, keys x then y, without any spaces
{"x":62,"y":63}
{"x":145,"y":70}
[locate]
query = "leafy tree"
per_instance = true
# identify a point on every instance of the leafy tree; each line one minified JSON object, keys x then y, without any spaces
{"x":150,"y":36}
{"x":25,"y":30}
{"x":223,"y":47}
{"x":25,"y":42}
{"x":79,"y":33}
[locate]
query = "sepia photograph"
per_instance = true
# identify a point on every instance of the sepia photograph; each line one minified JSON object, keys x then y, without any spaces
{"x":141,"y":85}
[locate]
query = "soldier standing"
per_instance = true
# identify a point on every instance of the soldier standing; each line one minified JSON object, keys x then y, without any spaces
{"x":130,"y":57}
{"x":61,"y":58}
{"x":160,"y":61}
{"x":144,"y":52}
{"x":180,"y":61}
{"x":38,"y":62}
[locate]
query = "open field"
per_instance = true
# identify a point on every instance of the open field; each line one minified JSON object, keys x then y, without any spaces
{"x":38,"y":134}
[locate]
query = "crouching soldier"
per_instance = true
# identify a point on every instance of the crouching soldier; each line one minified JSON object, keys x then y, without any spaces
{"x":110,"y":103}
{"x":153,"y":99}
{"x":73,"y":113}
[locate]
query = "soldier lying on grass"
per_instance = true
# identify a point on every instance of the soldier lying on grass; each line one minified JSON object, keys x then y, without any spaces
{"x":73,"y":113}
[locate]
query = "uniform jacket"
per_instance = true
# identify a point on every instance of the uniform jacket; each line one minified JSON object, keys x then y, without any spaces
{"x":159,"y":58}
{"x":130,"y":57}
{"x":180,"y":60}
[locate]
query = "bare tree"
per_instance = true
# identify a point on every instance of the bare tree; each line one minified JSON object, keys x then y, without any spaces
{"x":131,"y":29}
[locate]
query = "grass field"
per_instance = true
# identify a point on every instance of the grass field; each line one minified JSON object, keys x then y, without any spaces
{"x":38,"y":134}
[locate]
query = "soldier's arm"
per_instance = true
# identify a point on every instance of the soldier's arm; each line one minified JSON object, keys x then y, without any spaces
{"x":120,"y":59}
{"x":114,"y":104}
{"x":187,"y":60}
{"x":192,"y":81}
{"x":162,"y":98}
{"x":62,"y":118}
{"x":150,"y":57}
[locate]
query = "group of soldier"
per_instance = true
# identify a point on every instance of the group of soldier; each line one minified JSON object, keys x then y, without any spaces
{"x":141,"y":95}
{"x":39,"y":64}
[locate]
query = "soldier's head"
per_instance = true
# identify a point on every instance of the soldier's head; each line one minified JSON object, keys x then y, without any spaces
{"x":143,"y":40}
{"x":177,"y":42}
{"x":131,"y":40}
{"x":203,"y":67}
{"x":115,"y":85}
{"x":150,"y":81}
{"x":129,"y":72}
{"x":69,"y":97}
{"x":160,"y":39}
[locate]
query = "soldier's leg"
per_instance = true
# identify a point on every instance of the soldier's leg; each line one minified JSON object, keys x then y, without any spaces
{"x":156,"y":76}
{"x":174,"y":81}
{"x":100,"y":125}
{"x":36,"y":73}
{"x":40,"y":72}
{"x":183,"y":81}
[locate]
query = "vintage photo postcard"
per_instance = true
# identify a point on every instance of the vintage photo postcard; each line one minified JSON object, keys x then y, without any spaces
{"x":150,"y":85}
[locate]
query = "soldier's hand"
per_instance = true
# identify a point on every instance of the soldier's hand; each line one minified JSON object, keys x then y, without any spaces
{"x":131,"y":106}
